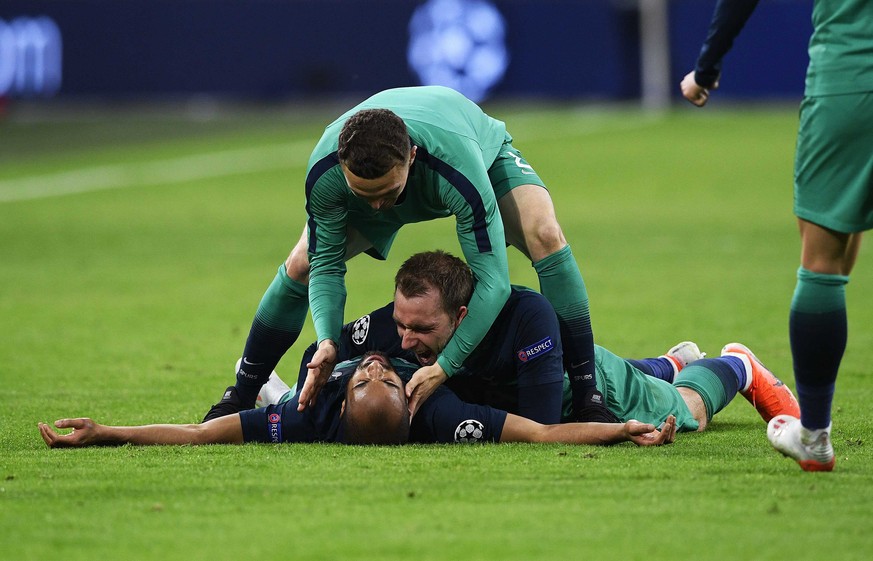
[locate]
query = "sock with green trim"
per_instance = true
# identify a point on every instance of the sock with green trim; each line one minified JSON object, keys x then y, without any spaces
{"x":717,"y":380}
{"x":276,"y":326}
{"x":818,"y":329}
{"x":561,"y":283}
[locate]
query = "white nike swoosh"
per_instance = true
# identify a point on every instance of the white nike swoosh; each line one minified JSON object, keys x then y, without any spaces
{"x":246,"y":361}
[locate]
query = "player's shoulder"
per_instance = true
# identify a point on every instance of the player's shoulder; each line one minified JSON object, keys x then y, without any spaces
{"x":528,"y":298}
{"x":523,"y":306}
{"x":377,"y":325}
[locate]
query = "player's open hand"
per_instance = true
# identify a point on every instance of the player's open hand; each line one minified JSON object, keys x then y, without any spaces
{"x":317,"y":374}
{"x":423,"y":383}
{"x":694,"y":92}
{"x":85,"y":433}
{"x":643,"y":434}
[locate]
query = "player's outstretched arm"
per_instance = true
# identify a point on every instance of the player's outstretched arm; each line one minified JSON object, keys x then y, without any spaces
{"x":223,"y":430}
{"x":520,"y":429}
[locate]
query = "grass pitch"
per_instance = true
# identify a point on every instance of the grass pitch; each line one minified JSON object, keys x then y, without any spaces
{"x":135,"y":245}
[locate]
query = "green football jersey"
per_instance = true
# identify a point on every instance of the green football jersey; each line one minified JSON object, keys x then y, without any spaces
{"x":841,"y":48}
{"x":456,"y":144}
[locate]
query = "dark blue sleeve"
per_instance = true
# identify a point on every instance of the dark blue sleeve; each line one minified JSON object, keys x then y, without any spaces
{"x":375,"y":331}
{"x":727,"y":21}
{"x":519,"y":366}
{"x":540,"y":360}
{"x":536,"y":341}
{"x":444,"y":418}
{"x":275,"y":423}
{"x":283,"y":423}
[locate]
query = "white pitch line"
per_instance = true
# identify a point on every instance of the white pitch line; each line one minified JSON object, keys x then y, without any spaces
{"x":156,"y":172}
{"x":253,"y":160}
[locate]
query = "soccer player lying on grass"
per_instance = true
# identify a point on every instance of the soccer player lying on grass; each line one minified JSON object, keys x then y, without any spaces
{"x":518,"y":364}
{"x":521,"y":352}
{"x":363,"y":402}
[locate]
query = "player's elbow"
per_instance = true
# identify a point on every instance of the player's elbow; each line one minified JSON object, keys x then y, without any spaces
{"x":201,"y":433}
{"x":522,"y":429}
{"x":501,"y":294}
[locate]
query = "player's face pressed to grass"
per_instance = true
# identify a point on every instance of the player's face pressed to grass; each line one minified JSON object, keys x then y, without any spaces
{"x":423,"y":325}
{"x":381,"y":193}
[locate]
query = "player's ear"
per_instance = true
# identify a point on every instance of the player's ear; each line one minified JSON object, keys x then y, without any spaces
{"x":412,"y":154}
{"x":343,"y":408}
{"x":462,"y":313}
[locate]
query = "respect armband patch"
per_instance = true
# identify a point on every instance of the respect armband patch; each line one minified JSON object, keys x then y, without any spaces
{"x":536,"y":350}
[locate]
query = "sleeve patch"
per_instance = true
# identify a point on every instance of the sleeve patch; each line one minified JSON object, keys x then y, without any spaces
{"x":536,"y":350}
{"x":360,"y":330}
{"x":470,"y":431}
{"x":275,"y":427}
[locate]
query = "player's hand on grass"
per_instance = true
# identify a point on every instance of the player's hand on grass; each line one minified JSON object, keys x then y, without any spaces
{"x":643,"y":434}
{"x":317,"y":374}
{"x":423,"y":383}
{"x":694,"y":92}
{"x":85,"y":433}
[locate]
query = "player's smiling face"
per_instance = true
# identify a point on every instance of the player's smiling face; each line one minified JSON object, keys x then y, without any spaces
{"x":382,"y":192}
{"x":423,"y":325}
{"x":375,"y":378}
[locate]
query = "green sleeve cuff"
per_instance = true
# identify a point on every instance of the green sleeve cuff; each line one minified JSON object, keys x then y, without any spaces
{"x":446,"y":365}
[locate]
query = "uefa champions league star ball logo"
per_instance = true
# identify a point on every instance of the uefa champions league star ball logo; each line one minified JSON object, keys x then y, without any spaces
{"x":459,"y":44}
{"x":360,"y":329}
{"x":470,"y":430}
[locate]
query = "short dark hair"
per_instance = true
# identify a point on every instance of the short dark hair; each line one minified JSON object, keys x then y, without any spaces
{"x":373,"y":422}
{"x":372,"y":141}
{"x":440,"y":270}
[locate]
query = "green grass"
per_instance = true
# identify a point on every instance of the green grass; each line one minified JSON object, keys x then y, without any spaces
{"x":130,"y":305}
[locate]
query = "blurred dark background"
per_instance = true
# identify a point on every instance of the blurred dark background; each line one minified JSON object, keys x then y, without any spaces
{"x":302,"y":50}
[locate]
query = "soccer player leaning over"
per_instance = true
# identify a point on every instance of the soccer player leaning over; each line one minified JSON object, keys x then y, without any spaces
{"x":409,"y":155}
{"x":833,"y":200}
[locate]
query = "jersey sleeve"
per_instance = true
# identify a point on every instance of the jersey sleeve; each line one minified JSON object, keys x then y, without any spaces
{"x":727,"y":21}
{"x":375,"y":331}
{"x":444,"y":418}
{"x":276,"y":424}
{"x":327,"y":216}
{"x":479,"y":226}
{"x":536,"y":336}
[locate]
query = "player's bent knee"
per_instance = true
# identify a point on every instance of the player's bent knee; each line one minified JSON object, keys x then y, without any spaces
{"x":696,"y":406}
{"x":543,"y":239}
{"x":549,"y":236}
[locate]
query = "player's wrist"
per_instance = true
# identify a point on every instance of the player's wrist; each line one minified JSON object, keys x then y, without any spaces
{"x":328,"y":343}
{"x":706,"y":78}
{"x":445,"y":365}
